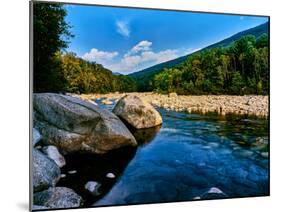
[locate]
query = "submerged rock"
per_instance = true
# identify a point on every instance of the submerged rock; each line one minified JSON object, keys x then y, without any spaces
{"x":53,"y":153}
{"x":74,"y":125}
{"x":110,"y":175}
{"x":137,"y":112}
{"x":58,"y":197}
{"x":213,"y":193}
{"x":265,"y":154}
{"x":36,"y":137}
{"x":72,"y":172}
{"x":93,"y":187}
{"x":46,"y":173}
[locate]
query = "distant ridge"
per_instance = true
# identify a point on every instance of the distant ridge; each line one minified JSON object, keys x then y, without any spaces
{"x":145,"y":74}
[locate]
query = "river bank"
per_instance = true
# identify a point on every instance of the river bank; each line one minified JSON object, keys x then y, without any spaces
{"x":255,"y":105}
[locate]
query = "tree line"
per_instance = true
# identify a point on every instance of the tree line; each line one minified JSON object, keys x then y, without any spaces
{"x":241,"y":68}
{"x":58,"y":71}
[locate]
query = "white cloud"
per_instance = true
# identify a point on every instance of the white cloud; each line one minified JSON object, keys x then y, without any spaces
{"x":142,"y":56}
{"x":141,"y":46}
{"x":123,"y":28}
{"x":98,"y":56}
{"x":139,"y":57}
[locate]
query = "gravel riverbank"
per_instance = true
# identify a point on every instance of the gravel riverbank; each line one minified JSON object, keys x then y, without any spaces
{"x":222,"y":104}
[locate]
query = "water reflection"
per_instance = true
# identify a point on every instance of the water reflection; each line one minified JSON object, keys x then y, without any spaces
{"x":193,"y":154}
{"x":145,"y":136}
{"x":92,"y":167}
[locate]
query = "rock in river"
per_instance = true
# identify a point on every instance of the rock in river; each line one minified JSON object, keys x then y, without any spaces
{"x":137,"y":113}
{"x":74,"y":125}
{"x":58,"y":197}
{"x":93,"y":187}
{"x":213,"y":193}
{"x":53,"y":153}
{"x":46,"y":173}
{"x":36,"y":137}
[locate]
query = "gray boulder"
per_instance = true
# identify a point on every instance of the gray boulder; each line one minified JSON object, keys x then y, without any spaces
{"x":74,"y":125}
{"x":36,"y":137}
{"x":53,"y":153}
{"x":46,"y":173}
{"x":58,"y":197}
{"x":137,"y":112}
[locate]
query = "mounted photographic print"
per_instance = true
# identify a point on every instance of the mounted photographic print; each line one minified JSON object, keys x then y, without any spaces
{"x":136,"y":105}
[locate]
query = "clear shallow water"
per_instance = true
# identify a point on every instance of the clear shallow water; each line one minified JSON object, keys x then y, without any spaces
{"x":183,"y":159}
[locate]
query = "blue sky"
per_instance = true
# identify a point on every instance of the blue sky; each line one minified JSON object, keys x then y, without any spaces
{"x":128,"y":40}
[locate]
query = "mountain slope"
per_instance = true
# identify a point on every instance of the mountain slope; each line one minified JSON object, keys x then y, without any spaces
{"x":143,"y":77}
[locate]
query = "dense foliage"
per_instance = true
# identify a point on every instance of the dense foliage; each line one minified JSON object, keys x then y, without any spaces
{"x":88,"y":77}
{"x":57,"y":72}
{"x":51,"y":34}
{"x":241,"y":68}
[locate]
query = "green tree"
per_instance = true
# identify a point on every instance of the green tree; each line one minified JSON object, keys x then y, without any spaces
{"x":51,"y":34}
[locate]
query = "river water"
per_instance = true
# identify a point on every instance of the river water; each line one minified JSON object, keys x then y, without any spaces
{"x":191,"y":156}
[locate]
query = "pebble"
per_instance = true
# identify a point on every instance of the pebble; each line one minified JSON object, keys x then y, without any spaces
{"x":265,"y":154}
{"x":110,"y":175}
{"x":106,"y":102}
{"x":93,"y":187}
{"x":196,"y":198}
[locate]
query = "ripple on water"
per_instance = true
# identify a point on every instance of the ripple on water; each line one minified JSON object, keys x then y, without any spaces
{"x":190,"y":154}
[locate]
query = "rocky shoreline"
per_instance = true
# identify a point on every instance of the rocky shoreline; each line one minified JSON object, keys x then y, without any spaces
{"x":254,"y":105}
{"x":63,"y":125}
{"x":68,"y":124}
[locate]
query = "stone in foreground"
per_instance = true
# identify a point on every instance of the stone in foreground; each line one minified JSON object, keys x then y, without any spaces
{"x":58,"y":197}
{"x":45,"y":172}
{"x":93,"y":187}
{"x":36,"y":137}
{"x":74,"y":125}
{"x":137,"y":112}
{"x":53,"y":153}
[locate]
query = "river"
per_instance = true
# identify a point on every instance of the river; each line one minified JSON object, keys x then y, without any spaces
{"x":179,"y":161}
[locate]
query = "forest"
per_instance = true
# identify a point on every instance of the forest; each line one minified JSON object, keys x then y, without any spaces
{"x":239,"y":68}
{"x":56,"y":70}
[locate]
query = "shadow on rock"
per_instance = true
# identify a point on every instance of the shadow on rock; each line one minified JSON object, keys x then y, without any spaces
{"x":103,"y":169}
{"x":145,"y":136}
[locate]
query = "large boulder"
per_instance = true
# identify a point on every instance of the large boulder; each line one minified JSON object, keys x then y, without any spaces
{"x":58,"y":197}
{"x":74,"y":125}
{"x":46,"y":173}
{"x":137,"y":113}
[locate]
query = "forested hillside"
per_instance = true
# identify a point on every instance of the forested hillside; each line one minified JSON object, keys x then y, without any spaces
{"x":241,"y":68}
{"x":145,"y":77}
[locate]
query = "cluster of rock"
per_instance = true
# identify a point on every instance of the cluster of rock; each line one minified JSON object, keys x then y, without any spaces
{"x":66,"y":124}
{"x":256,"y":105}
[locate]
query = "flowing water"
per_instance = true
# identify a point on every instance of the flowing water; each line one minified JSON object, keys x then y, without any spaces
{"x":181,"y":160}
